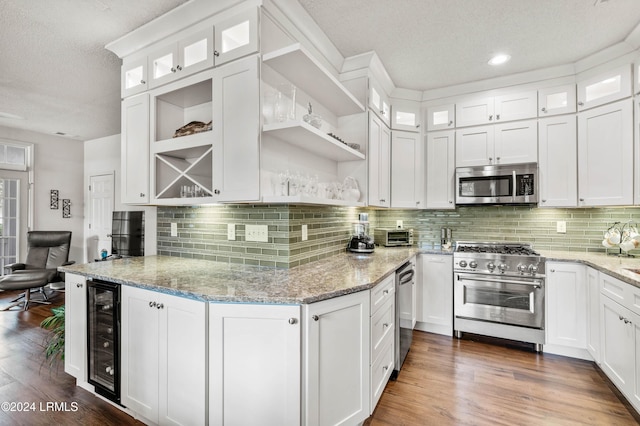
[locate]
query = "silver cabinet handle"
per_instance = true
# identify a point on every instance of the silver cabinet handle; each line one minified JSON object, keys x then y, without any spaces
{"x":543,"y":109}
{"x":293,"y":321}
{"x":581,"y":103}
{"x":544,"y":201}
{"x":142,"y":194}
{"x":626,"y":321}
{"x":490,"y":117}
{"x":315,"y":317}
{"x":173,"y":69}
{"x":143,"y":82}
{"x":620,"y":317}
{"x":216,"y":53}
{"x":385,"y":291}
{"x":79,"y":285}
{"x":385,"y":368}
{"x":498,"y":117}
{"x":450,"y":202}
{"x":450,"y":123}
{"x":553,"y":270}
{"x":152,"y":304}
{"x":160,"y":305}
{"x":179,"y":67}
{"x":216,"y":191}
{"x":417,"y":126}
{"x":385,"y":325}
{"x":582,"y":199}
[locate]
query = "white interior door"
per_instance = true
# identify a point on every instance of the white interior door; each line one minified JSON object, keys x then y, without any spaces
{"x":101,"y":200}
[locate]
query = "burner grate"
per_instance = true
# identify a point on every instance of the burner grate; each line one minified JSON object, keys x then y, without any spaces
{"x":515,"y":250}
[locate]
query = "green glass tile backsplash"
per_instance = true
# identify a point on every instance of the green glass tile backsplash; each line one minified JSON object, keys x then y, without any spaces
{"x":202,"y":230}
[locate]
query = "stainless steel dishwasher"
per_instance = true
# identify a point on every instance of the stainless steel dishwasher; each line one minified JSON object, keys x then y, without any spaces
{"x":405,"y":282}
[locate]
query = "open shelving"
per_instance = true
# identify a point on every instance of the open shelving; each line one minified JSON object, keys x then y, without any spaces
{"x":295,"y":64}
{"x":304,"y":199}
{"x":188,"y":166}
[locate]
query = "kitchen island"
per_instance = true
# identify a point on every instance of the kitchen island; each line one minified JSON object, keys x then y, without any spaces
{"x":206,"y":342}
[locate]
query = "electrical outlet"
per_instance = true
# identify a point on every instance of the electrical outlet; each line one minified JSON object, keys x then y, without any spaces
{"x":561,"y":227}
{"x":259,"y":233}
{"x":231,"y":231}
{"x":399,"y":224}
{"x":305,"y":233}
{"x":174,"y":229}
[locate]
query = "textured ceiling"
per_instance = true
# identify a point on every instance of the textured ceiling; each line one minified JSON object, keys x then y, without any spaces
{"x":426,"y":44}
{"x":55,"y":71}
{"x":57,"y":74}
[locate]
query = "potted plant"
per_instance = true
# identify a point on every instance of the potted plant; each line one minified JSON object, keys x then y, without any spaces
{"x":54,"y":342}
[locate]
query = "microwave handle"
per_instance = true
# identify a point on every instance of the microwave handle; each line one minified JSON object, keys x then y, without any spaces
{"x":513,"y":194}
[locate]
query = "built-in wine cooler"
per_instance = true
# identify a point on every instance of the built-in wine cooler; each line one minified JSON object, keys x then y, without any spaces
{"x":103,"y":339}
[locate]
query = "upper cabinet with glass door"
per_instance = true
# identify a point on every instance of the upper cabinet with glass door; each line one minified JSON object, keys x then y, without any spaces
{"x":176,"y":60}
{"x":441,"y":117}
{"x":379,"y":101}
{"x":557,"y":100}
{"x":134,"y":76}
{"x":405,"y":115}
{"x":604,"y":88}
{"x":236,"y":37}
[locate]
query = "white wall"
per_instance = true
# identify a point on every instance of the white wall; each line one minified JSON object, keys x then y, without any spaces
{"x":102,"y":156}
{"x":58,"y":164}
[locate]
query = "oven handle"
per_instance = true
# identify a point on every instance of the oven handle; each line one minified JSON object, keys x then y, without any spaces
{"x":535,"y":284}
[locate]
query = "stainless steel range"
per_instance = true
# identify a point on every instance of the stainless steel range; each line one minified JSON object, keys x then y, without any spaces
{"x":499,"y":291}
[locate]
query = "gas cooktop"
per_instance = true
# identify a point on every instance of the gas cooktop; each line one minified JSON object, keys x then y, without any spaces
{"x":517,"y":249}
{"x":498,"y":258}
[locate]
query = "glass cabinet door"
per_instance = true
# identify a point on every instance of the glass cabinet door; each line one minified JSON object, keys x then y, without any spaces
{"x":604,"y":88}
{"x":441,"y":117}
{"x":236,"y":37}
{"x":405,"y":116}
{"x":196,"y":52}
{"x":557,"y":100}
{"x":162,"y":65}
{"x":134,"y":77}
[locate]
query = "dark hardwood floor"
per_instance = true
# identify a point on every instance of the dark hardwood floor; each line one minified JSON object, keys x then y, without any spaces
{"x":444,"y":381}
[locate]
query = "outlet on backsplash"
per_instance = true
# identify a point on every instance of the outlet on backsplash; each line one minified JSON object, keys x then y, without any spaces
{"x":399,"y":224}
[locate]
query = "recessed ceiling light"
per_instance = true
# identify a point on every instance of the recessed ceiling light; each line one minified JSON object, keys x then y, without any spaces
{"x":499,"y":59}
{"x":11,"y":116}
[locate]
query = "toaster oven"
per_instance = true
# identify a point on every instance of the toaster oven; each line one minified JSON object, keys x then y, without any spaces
{"x":390,"y":237}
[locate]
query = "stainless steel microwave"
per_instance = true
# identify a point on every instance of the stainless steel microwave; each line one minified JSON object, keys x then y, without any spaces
{"x":389,"y":237}
{"x":498,"y":184}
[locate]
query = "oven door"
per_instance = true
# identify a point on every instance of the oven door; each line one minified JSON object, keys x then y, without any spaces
{"x":505,"y":300}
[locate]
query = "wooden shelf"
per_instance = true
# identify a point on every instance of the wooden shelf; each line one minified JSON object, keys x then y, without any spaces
{"x":300,"y":68}
{"x":303,"y":199}
{"x":309,"y":138}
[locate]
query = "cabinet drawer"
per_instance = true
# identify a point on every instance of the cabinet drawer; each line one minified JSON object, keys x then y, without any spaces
{"x":381,"y":370}
{"x":382,"y":326}
{"x":382,"y":292}
{"x":625,"y":294}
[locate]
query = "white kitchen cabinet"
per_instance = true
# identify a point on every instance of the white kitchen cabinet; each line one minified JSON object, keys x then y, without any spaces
{"x":236,"y":37}
{"x":566,"y":310}
{"x":163,"y":354}
{"x":134,"y":76}
{"x":505,"y":143}
{"x":379,"y":101}
{"x":441,"y":117}
{"x":407,"y":170}
{"x":179,"y":59}
{"x":557,"y":100}
{"x":382,"y":337}
{"x":254,"y":364}
{"x":593,"y":313}
{"x":605,"y":155}
{"x":405,"y":115}
{"x":379,"y":163}
{"x":558,"y":161}
{"x":134,"y":147}
{"x":603,"y":88}
{"x":486,"y":110}
{"x":434,"y":294}
{"x":75,"y":323}
{"x":336,"y":360}
{"x":440,"y":170}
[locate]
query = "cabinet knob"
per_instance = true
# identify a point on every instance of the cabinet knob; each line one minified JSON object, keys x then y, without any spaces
{"x":216,"y":53}
{"x":626,"y":321}
{"x":173,"y":69}
{"x":385,"y":325}
{"x":79,"y":285}
{"x":490,"y":117}
{"x":385,"y":292}
{"x":143,"y":82}
{"x":160,"y":305}
{"x":450,"y":202}
{"x":293,"y":321}
{"x":152,"y":304}
{"x":490,"y":159}
{"x":553,"y":270}
{"x":142,"y":194}
{"x":450,"y":123}
{"x":385,"y":368}
{"x":582,"y":199}
{"x":179,"y":67}
{"x":620,"y":317}
{"x":417,"y":126}
{"x":498,"y":117}
{"x":581,"y":103}
{"x":543,"y":109}
{"x":216,"y":191}
{"x":544,"y":201}
{"x":315,"y":317}
{"x":497,"y":158}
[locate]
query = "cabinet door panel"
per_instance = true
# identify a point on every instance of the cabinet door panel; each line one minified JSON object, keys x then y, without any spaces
{"x":337,"y":360}
{"x":236,"y":37}
{"x":516,"y":106}
{"x":134,"y":77}
{"x":236,"y":117}
{"x":182,"y":360}
{"x":617,"y":345}
{"x":593,"y":314}
{"x":474,"y":146}
{"x":140,"y":352}
{"x":435,"y":294}
{"x":247,"y":389}
{"x":135,"y":150}
{"x":474,"y":111}
{"x":379,"y":162}
{"x":440,"y":170}
{"x":605,"y":155}
{"x":441,"y":117}
{"x":558,"y":162}
{"x":604,"y":88}
{"x":75,"y":345}
{"x":566,"y":305}
{"x":516,"y":142}
{"x":557,"y":100}
{"x":406,"y":170}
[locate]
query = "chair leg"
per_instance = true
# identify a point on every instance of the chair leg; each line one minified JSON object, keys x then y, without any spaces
{"x":17,"y":301}
{"x":26,"y":299}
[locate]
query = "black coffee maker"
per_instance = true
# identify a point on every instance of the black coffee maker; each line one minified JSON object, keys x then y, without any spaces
{"x":361,"y":241}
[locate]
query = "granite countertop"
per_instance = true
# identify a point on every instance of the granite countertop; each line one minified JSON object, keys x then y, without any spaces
{"x":214,"y":281}
{"x":615,"y":266}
